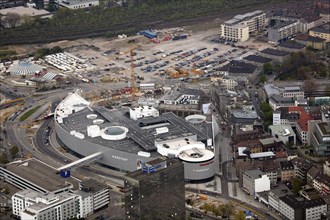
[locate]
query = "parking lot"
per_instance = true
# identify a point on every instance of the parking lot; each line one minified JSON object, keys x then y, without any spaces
{"x":201,"y":52}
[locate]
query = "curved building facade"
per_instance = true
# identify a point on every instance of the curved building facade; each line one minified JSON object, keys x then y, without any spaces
{"x":126,"y":143}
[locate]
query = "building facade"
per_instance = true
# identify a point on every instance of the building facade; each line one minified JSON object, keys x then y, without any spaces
{"x":287,"y":170}
{"x":321,"y":139}
{"x":255,"y":181}
{"x":283,"y":31}
{"x":241,"y":26}
{"x":320,"y":32}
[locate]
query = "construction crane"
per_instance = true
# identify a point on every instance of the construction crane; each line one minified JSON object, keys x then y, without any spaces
{"x":131,"y":52}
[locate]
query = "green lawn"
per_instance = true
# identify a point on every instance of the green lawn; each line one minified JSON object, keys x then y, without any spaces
{"x":29,"y":113}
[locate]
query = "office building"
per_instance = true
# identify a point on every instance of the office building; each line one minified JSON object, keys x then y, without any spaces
{"x":146,"y":190}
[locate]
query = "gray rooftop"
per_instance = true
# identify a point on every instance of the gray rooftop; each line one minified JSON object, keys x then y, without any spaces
{"x":41,"y":174}
{"x":141,"y":135}
{"x":283,"y":24}
{"x":254,"y":174}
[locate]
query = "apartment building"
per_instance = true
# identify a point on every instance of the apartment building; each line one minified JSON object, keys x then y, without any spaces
{"x":320,"y":32}
{"x":255,"y":181}
{"x":295,"y":208}
{"x":240,"y":27}
{"x":321,"y":139}
{"x":283,"y":30}
{"x":287,"y":170}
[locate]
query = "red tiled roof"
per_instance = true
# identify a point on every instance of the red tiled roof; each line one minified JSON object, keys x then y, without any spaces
{"x":304,"y":117}
{"x":280,"y":154}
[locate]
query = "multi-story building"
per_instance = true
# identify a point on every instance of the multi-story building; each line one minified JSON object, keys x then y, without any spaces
{"x":293,"y":92}
{"x":100,"y":194}
{"x":295,"y":208}
{"x":301,"y":166}
{"x":319,"y":180}
{"x":275,"y":194}
{"x":287,"y":170}
{"x":283,"y":133}
{"x":29,"y":204}
{"x":299,"y":118}
{"x":320,"y":32}
{"x":145,"y":189}
{"x":241,"y":26}
{"x":283,"y":31}
{"x":255,"y":181}
{"x":321,"y":139}
{"x":237,"y":32}
{"x":321,"y":183}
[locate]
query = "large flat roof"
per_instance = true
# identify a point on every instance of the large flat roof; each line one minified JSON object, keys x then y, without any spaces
{"x":41,"y":174}
{"x":141,"y":134}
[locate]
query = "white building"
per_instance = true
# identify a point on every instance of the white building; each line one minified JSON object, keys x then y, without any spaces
{"x":29,"y":204}
{"x":294,"y":208}
{"x":241,"y":26}
{"x":283,"y":133}
{"x":255,"y":181}
{"x":141,"y":112}
{"x":275,"y":194}
{"x":99,"y":192}
{"x":237,"y":32}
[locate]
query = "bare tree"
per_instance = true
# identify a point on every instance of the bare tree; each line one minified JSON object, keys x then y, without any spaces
{"x":12,"y":19}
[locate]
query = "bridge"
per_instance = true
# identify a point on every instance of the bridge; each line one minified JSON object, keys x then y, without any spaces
{"x":65,"y":170}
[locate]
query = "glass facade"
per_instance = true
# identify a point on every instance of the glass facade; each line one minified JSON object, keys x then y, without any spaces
{"x":158,"y":195}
